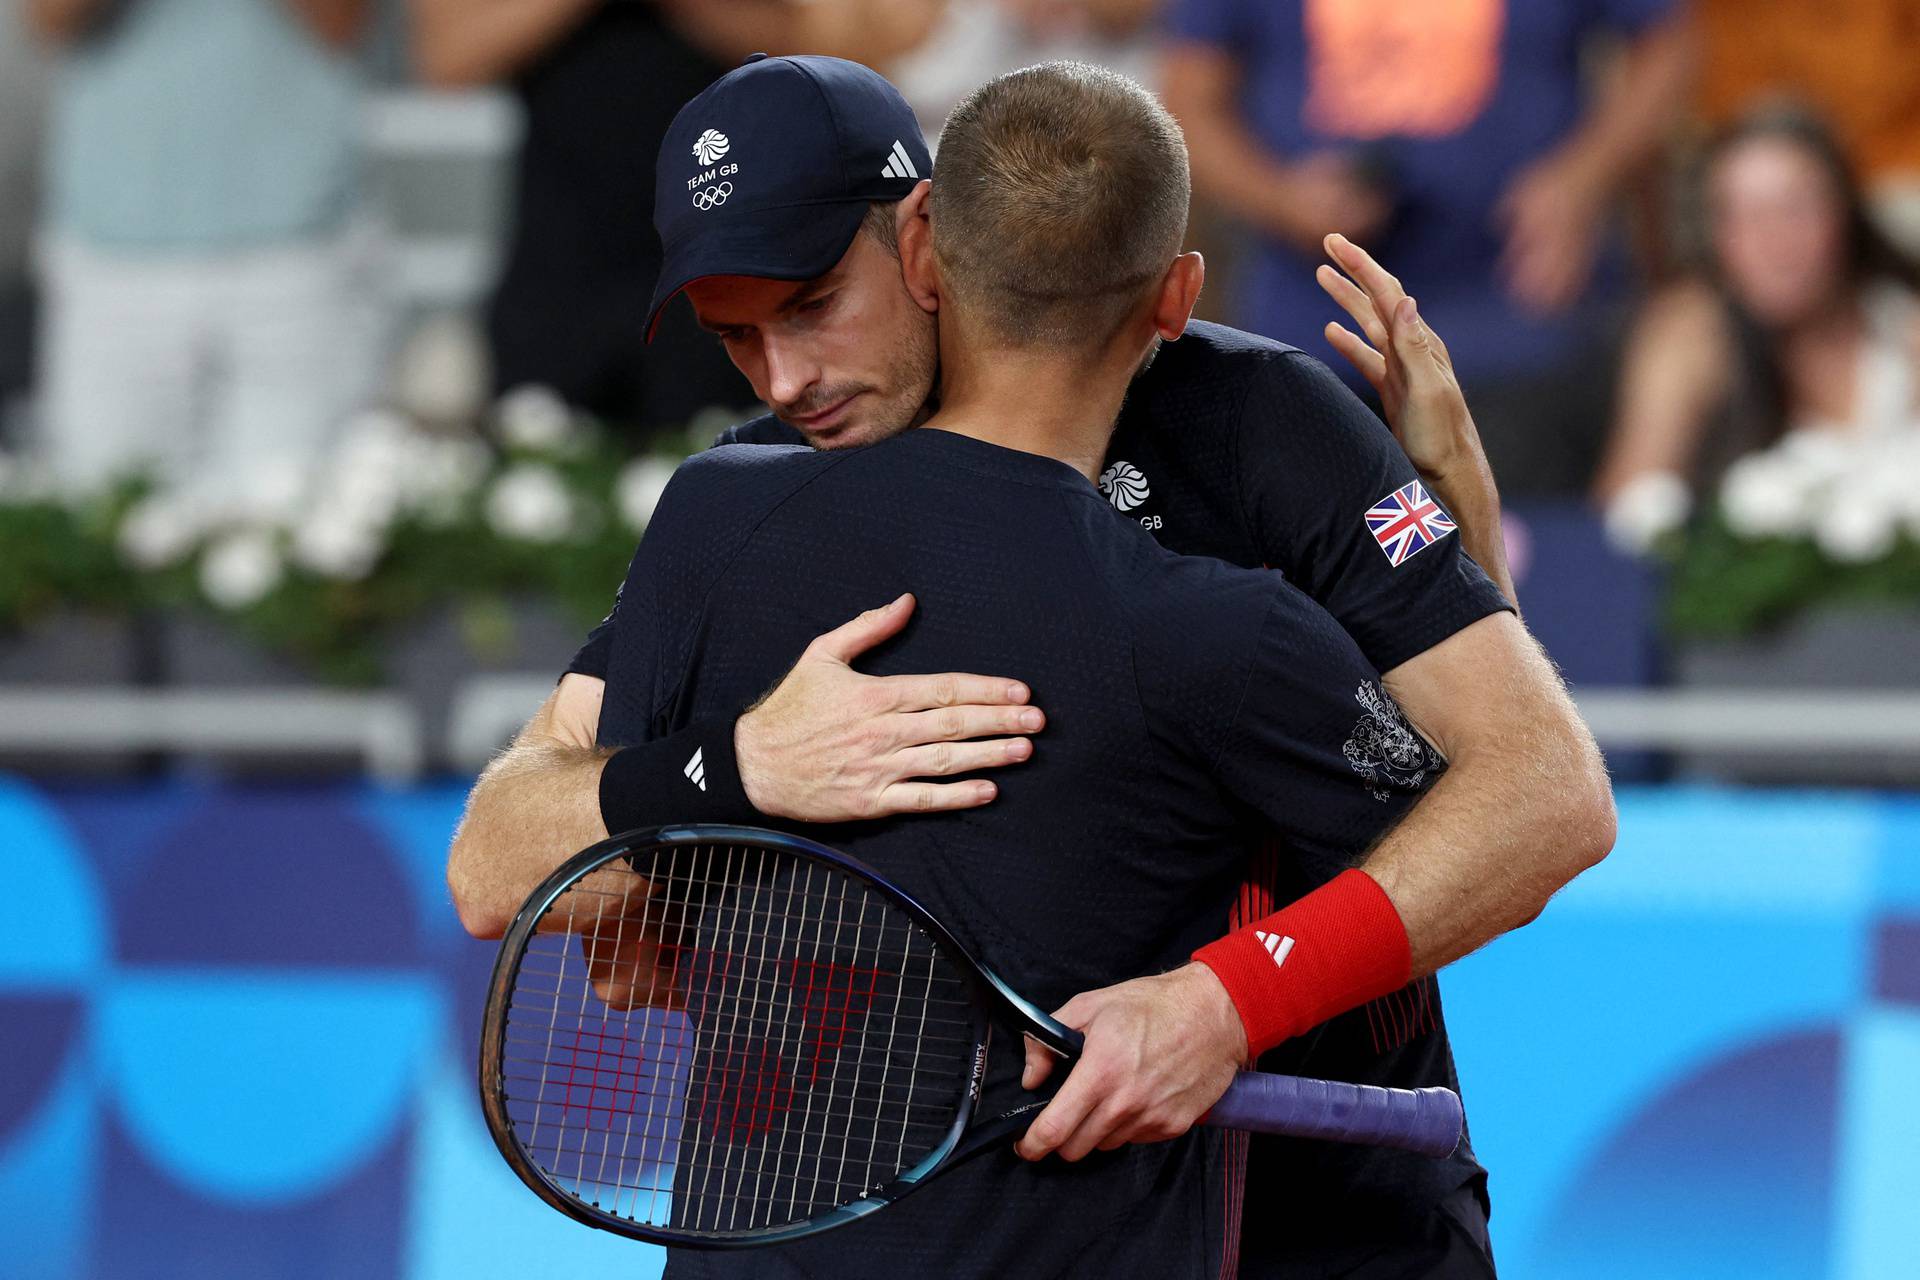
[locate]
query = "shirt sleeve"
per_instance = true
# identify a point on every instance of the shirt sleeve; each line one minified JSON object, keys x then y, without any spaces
{"x":658,"y":774}
{"x":1214,"y":22}
{"x":1320,"y":480}
{"x":590,"y":659}
{"x":1316,"y":746}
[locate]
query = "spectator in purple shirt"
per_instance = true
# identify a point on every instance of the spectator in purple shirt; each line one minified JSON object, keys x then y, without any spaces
{"x":1460,"y":139}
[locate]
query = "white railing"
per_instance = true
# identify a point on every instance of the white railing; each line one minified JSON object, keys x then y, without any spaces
{"x":388,"y":735}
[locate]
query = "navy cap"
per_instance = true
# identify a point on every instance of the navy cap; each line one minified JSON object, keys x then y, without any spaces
{"x":770,"y":170}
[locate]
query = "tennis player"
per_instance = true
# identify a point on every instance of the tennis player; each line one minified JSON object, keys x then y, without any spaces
{"x":1232,"y":446}
{"x":1198,"y":706}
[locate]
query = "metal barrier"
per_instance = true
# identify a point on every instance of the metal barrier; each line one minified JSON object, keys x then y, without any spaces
{"x":387,"y":734}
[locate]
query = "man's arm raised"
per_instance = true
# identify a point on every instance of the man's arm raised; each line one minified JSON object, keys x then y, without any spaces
{"x":1410,"y":370}
{"x":828,"y":744}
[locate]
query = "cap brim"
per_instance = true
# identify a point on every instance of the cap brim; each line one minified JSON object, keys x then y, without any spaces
{"x":767,"y":244}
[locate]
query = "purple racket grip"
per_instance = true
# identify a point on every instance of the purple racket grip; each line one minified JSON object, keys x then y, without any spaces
{"x":1429,"y":1121}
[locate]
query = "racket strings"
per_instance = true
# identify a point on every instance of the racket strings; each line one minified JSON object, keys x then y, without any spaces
{"x":730,"y":1039}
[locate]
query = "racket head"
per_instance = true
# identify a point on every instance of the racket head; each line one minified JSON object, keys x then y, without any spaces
{"x":778,"y":974}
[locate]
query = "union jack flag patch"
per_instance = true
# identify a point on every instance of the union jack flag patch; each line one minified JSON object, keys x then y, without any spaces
{"x":1406,"y":522}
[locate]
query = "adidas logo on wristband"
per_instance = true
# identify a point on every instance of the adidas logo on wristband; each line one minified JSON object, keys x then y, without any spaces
{"x":1277,"y":945}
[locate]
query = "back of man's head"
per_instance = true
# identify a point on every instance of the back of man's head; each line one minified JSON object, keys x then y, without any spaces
{"x":1060,"y":198}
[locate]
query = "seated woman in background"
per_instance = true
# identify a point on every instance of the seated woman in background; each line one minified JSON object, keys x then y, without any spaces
{"x":1803,"y":318}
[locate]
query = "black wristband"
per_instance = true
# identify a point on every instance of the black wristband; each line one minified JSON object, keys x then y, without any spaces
{"x":690,"y":776}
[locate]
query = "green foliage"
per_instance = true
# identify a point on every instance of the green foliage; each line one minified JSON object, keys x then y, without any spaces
{"x":1722,"y":585}
{"x":56,"y":555}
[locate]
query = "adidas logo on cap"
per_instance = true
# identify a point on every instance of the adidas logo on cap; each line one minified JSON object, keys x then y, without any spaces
{"x":899,"y":163}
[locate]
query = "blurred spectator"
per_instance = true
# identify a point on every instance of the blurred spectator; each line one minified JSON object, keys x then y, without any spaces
{"x":1803,"y":316}
{"x":600,"y":80}
{"x":22,"y":90}
{"x":209,"y":290}
{"x":1455,"y":141}
{"x":1853,"y":62}
{"x":980,"y":39}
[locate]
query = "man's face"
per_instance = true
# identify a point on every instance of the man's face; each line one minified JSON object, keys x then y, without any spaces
{"x":847,"y":358}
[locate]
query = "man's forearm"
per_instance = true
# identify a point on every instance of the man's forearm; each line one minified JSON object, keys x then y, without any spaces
{"x":1505,"y":828}
{"x":337,"y":22}
{"x":534,"y":807}
{"x":1637,"y":107}
{"x":1470,"y":494}
{"x":472,"y":42}
{"x":869,"y":31}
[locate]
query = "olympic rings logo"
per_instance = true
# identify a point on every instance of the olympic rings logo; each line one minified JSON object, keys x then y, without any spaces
{"x":707,"y":197}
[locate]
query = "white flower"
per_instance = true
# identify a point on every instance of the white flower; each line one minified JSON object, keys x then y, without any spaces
{"x":1817,"y":455}
{"x":441,"y":373}
{"x":441,"y":474}
{"x":637,"y":492}
{"x":271,"y":493}
{"x":1646,"y":508}
{"x":1856,"y":529}
{"x":159,"y":530}
{"x":1766,"y":495}
{"x":241,"y":568}
{"x":335,"y":542}
{"x":534,"y":417}
{"x":530,"y":502}
{"x":369,"y":470}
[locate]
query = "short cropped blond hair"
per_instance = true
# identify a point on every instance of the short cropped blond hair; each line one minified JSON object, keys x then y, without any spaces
{"x":1060,"y":196}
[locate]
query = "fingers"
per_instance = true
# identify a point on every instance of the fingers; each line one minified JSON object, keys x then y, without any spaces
{"x":952,"y":689}
{"x":1354,"y":301}
{"x":932,"y":797}
{"x":1406,"y":324}
{"x":851,"y":639}
{"x":1061,"y":1120}
{"x":944,"y":759}
{"x":1371,"y":364}
{"x":1040,"y":1060}
{"x":1412,"y":337}
{"x":1379,"y":284}
{"x":952,"y":724}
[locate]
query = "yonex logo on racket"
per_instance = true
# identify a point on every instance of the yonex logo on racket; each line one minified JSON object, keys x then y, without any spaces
{"x":1278,"y":945}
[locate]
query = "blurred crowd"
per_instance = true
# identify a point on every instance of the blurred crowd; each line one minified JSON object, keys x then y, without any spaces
{"x":1659,"y":236}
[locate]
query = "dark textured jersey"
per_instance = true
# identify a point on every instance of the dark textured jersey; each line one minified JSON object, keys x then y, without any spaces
{"x":1250,"y":451}
{"x":1193,"y":709}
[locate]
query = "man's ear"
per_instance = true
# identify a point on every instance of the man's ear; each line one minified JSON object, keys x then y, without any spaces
{"x":914,"y":231}
{"x":1179,"y":291}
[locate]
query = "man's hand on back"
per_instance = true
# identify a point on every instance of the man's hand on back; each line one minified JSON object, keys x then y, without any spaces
{"x":1159,"y":1053}
{"x":832,"y":745}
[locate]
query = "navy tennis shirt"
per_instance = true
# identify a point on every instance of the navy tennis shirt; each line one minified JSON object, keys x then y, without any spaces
{"x":1231,"y":446}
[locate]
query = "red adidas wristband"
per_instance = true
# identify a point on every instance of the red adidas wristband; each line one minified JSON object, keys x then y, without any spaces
{"x":1333,"y":950}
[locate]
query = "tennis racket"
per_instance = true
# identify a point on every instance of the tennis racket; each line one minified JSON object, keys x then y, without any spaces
{"x":720,"y":1036}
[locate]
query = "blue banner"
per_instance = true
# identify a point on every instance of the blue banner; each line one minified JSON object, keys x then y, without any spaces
{"x":240,"y":1023}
